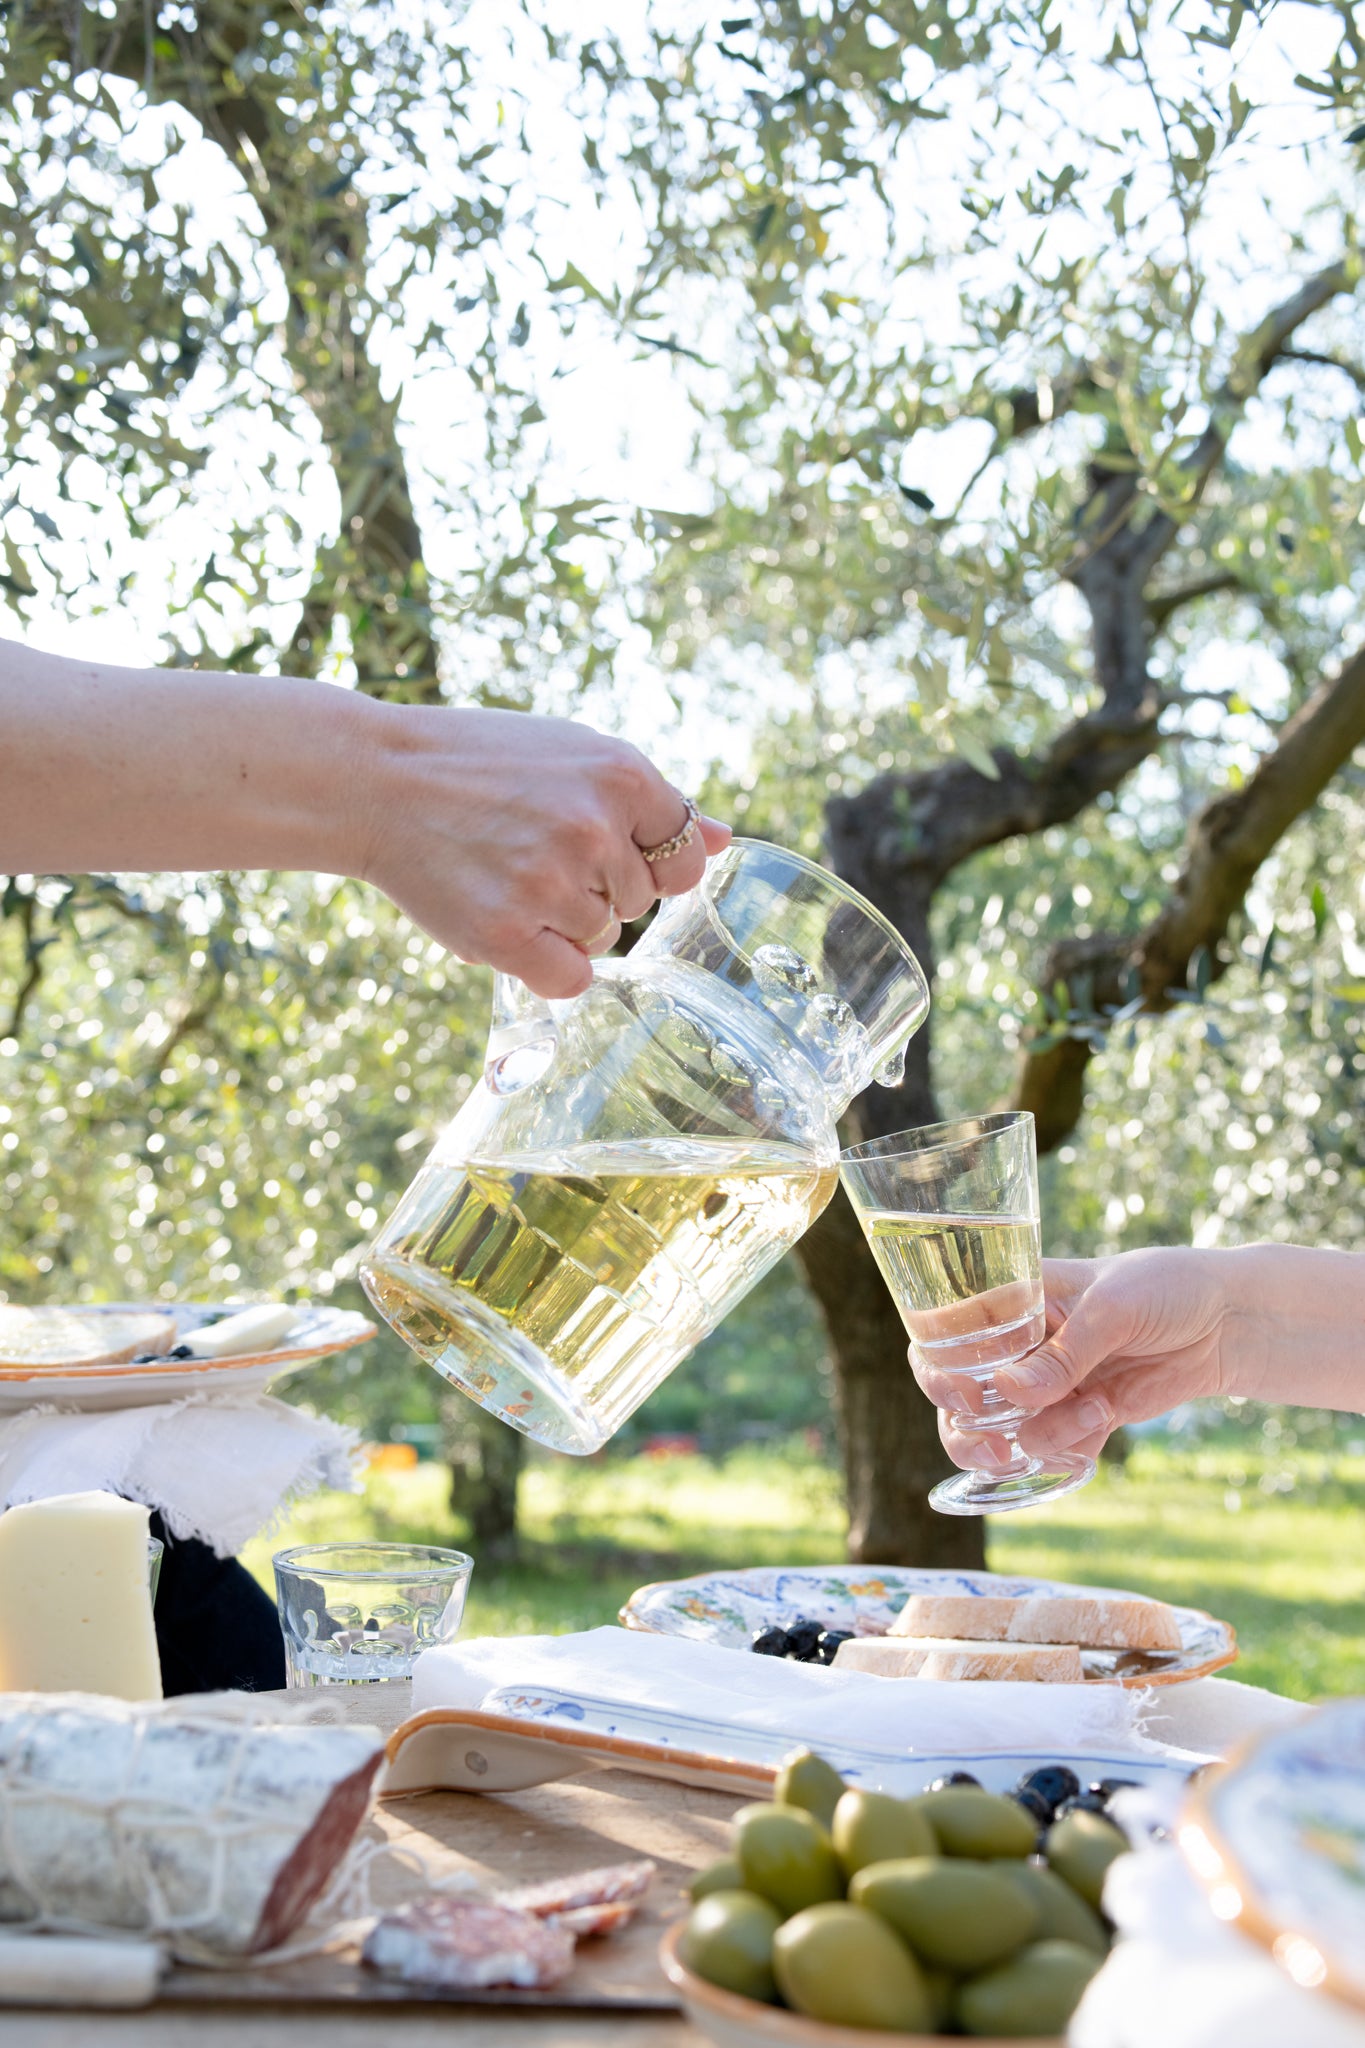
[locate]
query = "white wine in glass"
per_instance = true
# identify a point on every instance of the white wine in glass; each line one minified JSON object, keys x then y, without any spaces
{"x":951,"y":1214}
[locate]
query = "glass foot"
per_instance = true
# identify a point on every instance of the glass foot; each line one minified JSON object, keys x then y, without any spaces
{"x":995,"y":1493}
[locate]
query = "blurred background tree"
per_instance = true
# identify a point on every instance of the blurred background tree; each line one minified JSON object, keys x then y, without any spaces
{"x":1019,"y":569}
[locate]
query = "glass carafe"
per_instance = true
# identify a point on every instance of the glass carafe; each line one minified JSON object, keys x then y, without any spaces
{"x":634,"y":1159}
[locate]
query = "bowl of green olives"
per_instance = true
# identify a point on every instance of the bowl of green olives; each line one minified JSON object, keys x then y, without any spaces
{"x":840,"y":1913}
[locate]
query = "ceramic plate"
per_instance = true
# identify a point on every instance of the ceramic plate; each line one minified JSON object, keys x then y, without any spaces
{"x":516,"y":1739}
{"x":1277,"y":1839}
{"x":727,"y":1607}
{"x":875,"y":1770}
{"x":317,"y":1333}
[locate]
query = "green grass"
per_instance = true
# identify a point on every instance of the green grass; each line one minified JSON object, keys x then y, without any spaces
{"x":1271,"y":1543}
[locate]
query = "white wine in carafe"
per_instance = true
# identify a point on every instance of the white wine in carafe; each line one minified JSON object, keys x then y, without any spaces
{"x":969,"y":1288}
{"x":605,"y":1263}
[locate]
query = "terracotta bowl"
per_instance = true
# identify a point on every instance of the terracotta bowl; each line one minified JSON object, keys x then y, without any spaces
{"x":734,"y":2022}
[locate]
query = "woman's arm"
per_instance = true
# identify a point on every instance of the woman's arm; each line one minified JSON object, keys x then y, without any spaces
{"x":512,"y":839}
{"x":1133,"y":1335}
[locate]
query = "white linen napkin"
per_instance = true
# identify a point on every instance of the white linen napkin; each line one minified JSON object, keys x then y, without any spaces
{"x":677,"y":1678}
{"x":218,"y":1467}
{"x":1182,"y":1979}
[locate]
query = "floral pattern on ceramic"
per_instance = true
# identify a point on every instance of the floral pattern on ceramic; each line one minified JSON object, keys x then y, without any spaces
{"x":729,"y":1607}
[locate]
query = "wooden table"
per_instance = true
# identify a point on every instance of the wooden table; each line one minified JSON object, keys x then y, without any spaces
{"x":325,"y":2002}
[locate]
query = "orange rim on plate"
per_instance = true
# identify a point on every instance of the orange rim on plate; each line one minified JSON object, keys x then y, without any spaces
{"x":358,"y":1331}
{"x":775,"y":2022}
{"x":1216,"y":1869}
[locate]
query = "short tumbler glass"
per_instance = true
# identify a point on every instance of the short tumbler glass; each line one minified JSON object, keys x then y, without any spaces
{"x":362,"y":1613}
{"x":951,"y":1213}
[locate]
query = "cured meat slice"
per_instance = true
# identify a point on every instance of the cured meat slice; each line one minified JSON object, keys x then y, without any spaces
{"x":585,"y":1921}
{"x":197,"y":1821}
{"x":609,"y":1885}
{"x":460,"y":1945}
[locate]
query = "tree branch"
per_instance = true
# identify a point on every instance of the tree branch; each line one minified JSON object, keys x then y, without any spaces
{"x":1227,"y":843}
{"x":1163,"y":604}
{"x":1324,"y":362}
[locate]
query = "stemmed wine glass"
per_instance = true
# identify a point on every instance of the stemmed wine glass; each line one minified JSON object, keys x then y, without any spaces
{"x":951,"y":1213}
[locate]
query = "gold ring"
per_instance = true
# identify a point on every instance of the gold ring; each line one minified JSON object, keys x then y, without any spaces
{"x":680,"y":840}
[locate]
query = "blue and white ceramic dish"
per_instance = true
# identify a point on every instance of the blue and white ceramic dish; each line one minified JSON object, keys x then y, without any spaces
{"x":873,"y":1770}
{"x":729,"y":1607}
{"x":1277,"y":1839}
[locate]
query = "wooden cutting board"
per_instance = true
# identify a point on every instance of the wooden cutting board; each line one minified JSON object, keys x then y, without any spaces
{"x":508,"y":1839}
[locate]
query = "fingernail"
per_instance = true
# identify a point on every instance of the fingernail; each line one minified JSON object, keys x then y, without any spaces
{"x":1025,"y":1376}
{"x":991,"y":1453}
{"x":1093,"y":1415}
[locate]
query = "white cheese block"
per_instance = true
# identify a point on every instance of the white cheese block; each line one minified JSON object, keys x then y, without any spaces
{"x":55,"y":1969}
{"x":253,"y":1329}
{"x":75,"y":1603}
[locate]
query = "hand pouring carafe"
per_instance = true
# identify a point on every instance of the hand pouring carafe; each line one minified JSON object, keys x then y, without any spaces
{"x":634,"y":1159}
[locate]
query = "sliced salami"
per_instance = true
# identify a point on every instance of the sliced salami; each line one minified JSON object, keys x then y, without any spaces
{"x":582,"y":1922}
{"x":606,"y":1886}
{"x":459,"y":1945}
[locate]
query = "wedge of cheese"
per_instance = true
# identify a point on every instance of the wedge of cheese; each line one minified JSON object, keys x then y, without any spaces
{"x":944,"y":1657}
{"x":75,"y":1602}
{"x":1093,"y":1621}
{"x":63,"y":1339}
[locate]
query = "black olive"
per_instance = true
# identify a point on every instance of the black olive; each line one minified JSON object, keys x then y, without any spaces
{"x":953,"y":1778}
{"x":828,"y":1646}
{"x":802,"y":1640}
{"x":180,"y":1351}
{"x":1084,"y":1802}
{"x":146,"y":1357}
{"x":1051,"y":1782}
{"x":1105,"y":1788}
{"x":1034,"y":1803}
{"x":769,"y":1642}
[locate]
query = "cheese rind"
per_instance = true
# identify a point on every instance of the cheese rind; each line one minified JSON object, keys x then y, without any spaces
{"x":1095,"y":1621}
{"x":930,"y":1657}
{"x":75,"y":1603}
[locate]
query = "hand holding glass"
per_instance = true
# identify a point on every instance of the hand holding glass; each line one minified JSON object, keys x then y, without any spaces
{"x":951,"y":1213}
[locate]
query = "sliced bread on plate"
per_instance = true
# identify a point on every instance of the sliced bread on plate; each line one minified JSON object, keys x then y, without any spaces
{"x":890,"y":1657}
{"x":63,"y":1339}
{"x":1099,"y":1621}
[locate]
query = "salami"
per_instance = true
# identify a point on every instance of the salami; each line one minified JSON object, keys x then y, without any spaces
{"x":591,"y":1903}
{"x":460,"y":1945}
{"x":200,"y":1822}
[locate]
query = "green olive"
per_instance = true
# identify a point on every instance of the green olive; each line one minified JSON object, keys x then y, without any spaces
{"x":970,"y":1822}
{"x":1065,"y":1914}
{"x":728,"y":1940}
{"x":724,"y":1875}
{"x":807,"y":1780}
{"x":843,"y":1965}
{"x":1034,"y":1994}
{"x":1080,"y":1847}
{"x":956,"y":1915}
{"x":869,"y":1827}
{"x":785,"y":1855}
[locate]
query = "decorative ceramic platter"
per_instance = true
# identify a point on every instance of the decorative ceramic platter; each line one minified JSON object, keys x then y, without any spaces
{"x":1277,"y":1839}
{"x":317,"y":1333}
{"x":728,"y":1607}
{"x":516,"y":1739}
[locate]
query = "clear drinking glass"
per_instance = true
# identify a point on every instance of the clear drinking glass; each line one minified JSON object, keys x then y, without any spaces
{"x":951,"y":1213}
{"x":361,"y":1613}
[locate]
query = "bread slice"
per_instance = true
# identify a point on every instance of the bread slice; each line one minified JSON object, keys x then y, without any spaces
{"x":1096,"y":1621}
{"x":885,"y":1657}
{"x":63,"y":1339}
